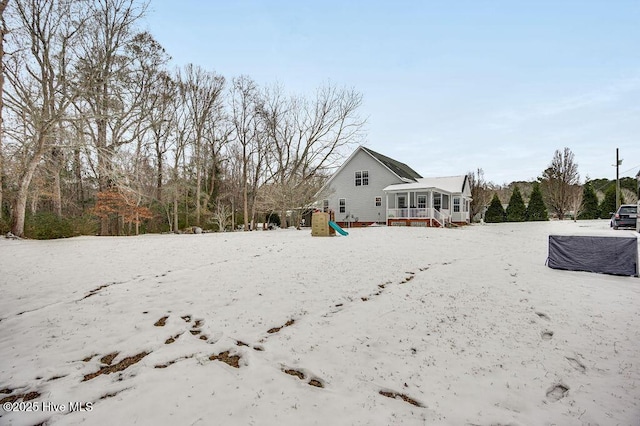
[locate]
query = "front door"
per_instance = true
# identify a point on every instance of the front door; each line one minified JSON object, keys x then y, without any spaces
{"x":437,"y":201}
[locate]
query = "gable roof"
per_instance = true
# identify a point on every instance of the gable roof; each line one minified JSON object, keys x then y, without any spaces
{"x":400,"y":169}
{"x":450,"y":184}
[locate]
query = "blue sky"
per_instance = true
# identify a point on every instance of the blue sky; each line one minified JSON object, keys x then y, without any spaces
{"x":448,"y":86}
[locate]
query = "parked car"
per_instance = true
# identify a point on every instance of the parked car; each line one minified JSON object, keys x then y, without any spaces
{"x":625,"y":217}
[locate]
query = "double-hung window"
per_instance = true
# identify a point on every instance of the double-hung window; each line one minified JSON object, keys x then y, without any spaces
{"x":343,"y":205}
{"x":362,"y":178}
{"x":456,"y":205}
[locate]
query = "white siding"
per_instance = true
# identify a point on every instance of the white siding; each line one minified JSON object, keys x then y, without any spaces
{"x":360,"y":200}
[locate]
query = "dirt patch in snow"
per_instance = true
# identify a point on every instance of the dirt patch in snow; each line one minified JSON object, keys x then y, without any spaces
{"x":276,"y":329}
{"x":122,"y":365}
{"x":161,"y":322}
{"x":402,"y":396}
{"x":232,"y":360}
{"x":108,"y":359}
{"x":292,"y":372}
{"x":316,"y":383}
{"x":300,"y":375}
{"x":172,"y":339}
{"x":95,"y":290}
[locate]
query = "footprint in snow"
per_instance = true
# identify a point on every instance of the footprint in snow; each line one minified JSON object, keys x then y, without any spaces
{"x":557,"y":392}
{"x":577,"y":364}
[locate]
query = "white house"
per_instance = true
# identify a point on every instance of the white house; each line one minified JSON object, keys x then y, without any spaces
{"x":373,"y":188}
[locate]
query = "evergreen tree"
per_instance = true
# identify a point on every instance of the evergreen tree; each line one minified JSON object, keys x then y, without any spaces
{"x":608,"y":205}
{"x":495,"y":212}
{"x":590,"y":208}
{"x":516,"y":210}
{"x":536,"y":210}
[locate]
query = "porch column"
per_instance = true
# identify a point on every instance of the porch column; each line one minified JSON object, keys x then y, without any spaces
{"x":408,"y":205}
{"x":386,"y":208}
{"x":431,"y":213}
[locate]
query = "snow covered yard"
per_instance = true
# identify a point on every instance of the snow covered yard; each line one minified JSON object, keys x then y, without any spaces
{"x":386,"y":326}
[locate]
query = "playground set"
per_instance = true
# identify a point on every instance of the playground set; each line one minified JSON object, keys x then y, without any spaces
{"x":323,"y":225}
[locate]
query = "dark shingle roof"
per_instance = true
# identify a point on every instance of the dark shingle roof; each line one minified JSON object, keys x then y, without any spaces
{"x":396,"y":167}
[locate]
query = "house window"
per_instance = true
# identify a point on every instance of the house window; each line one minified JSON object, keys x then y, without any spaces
{"x":378,"y":201}
{"x":456,"y":205}
{"x":362,"y":178}
{"x":422,"y":201}
{"x":402,"y":201}
{"x":437,"y":202}
{"x":343,"y":205}
{"x":325,"y":205}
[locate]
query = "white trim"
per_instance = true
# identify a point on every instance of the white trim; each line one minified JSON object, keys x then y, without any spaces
{"x":360,"y":148}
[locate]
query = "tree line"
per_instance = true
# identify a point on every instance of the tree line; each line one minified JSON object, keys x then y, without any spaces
{"x":557,"y":192}
{"x":99,"y":134}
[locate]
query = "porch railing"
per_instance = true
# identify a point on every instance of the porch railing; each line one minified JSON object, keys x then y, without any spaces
{"x":441,"y":216}
{"x":410,"y":213}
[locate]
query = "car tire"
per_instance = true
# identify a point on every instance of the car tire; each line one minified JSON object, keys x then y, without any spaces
{"x":615,"y":227}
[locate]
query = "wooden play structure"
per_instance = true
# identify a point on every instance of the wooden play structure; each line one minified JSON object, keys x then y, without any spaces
{"x":320,"y":224}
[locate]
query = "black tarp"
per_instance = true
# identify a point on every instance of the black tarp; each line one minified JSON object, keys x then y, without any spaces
{"x":608,"y":255}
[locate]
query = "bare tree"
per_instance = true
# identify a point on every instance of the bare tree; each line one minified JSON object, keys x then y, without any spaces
{"x":558,"y":179}
{"x":112,"y":94}
{"x":575,"y":201}
{"x":39,"y":88}
{"x":201,"y":92}
{"x":244,"y":100}
{"x":3,"y":33}
{"x":177,"y":148}
{"x":307,"y":138}
{"x":222,"y":216}
{"x":161,"y":119}
{"x":480,"y":192}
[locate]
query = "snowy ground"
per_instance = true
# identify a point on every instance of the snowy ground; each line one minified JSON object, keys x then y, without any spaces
{"x":386,"y":326}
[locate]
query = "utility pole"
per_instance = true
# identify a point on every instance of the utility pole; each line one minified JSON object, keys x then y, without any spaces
{"x":618,"y":162}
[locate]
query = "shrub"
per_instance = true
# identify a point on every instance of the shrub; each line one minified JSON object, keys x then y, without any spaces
{"x":590,"y":208}
{"x":46,"y":226}
{"x":516,"y":210}
{"x":5,"y":225}
{"x":495,"y":212}
{"x":536,"y":210}
{"x":608,"y":205}
{"x":272,"y":217}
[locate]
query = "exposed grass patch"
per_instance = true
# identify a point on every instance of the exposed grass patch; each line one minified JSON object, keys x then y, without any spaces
{"x":232,"y":360}
{"x":122,"y":365}
{"x":402,"y":396}
{"x":276,"y":329}
{"x":292,"y":372}
{"x":108,"y":359}
{"x":161,"y":322}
